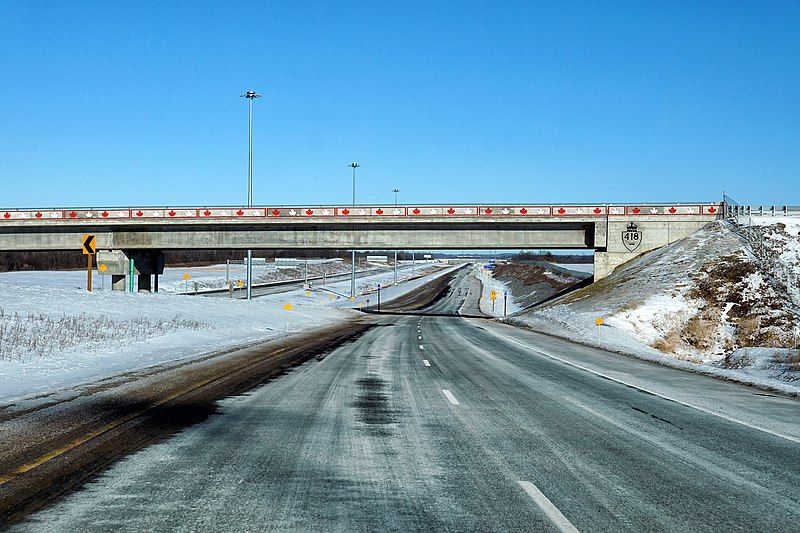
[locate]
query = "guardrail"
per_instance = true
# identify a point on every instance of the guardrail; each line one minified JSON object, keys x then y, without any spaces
{"x":735,"y":210}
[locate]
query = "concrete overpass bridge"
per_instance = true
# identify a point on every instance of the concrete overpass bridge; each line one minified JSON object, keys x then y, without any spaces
{"x":616,"y":232}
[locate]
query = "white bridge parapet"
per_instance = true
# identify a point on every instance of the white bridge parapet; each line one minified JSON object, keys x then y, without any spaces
{"x":616,"y":231}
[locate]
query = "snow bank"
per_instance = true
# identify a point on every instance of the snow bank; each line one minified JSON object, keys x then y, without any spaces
{"x":489,"y":284}
{"x":56,"y":336}
{"x":691,"y":304}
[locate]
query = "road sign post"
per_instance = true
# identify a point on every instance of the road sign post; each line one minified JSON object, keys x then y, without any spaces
{"x":505,"y":303}
{"x":379,"y":296}
{"x":89,"y":249}
{"x":493,"y":296}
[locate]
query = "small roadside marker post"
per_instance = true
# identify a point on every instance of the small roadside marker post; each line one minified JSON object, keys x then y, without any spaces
{"x":505,"y":303}
{"x":598,"y":322}
{"x":493,"y":296}
{"x":379,"y":297}
{"x":89,"y":249}
{"x":102,"y":267}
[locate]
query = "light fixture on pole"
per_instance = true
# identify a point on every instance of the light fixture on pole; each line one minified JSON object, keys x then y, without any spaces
{"x":354,"y":166}
{"x":395,"y":191}
{"x":250,"y":95}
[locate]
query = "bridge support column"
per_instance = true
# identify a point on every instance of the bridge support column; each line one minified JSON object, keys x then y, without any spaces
{"x":117,"y":283}
{"x":144,"y":282}
{"x":606,"y":262}
{"x":146,"y":263}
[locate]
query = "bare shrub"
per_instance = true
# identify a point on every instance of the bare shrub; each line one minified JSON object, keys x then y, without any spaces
{"x":38,"y":335}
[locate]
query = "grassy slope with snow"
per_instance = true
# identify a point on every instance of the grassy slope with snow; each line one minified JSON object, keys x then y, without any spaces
{"x":691,"y":304}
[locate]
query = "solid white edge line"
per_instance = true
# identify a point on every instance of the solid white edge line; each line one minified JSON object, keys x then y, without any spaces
{"x":547,"y":507}
{"x":600,"y":374}
{"x":450,"y":397}
{"x":426,"y":362}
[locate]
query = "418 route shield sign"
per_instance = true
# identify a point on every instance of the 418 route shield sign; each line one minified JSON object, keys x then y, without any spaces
{"x":631,"y":237}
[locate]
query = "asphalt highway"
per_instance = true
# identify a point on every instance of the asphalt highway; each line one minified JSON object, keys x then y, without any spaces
{"x":447,"y":423}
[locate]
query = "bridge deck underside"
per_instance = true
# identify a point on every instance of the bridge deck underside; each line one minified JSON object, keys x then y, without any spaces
{"x":466,"y":235}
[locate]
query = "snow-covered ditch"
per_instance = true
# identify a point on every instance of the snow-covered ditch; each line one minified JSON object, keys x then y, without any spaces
{"x":504,"y":302}
{"x":701,"y":304}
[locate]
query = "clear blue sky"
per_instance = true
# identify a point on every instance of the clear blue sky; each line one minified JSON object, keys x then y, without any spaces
{"x":128,"y":103}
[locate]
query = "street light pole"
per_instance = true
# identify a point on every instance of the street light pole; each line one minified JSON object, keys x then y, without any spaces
{"x":250,"y":95}
{"x":395,"y":191}
{"x":354,"y":166}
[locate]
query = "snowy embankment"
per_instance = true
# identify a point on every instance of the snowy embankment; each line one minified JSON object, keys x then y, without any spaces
{"x":56,"y":336}
{"x":504,"y":302}
{"x":702,"y":304}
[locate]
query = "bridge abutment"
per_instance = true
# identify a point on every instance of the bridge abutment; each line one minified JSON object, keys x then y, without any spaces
{"x":628,"y":238}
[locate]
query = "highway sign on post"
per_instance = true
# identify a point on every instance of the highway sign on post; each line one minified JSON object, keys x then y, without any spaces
{"x":493,"y":294}
{"x":89,"y":249}
{"x":89,"y":244}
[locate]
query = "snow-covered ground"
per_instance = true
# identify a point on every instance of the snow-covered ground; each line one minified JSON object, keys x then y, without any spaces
{"x":701,"y":304}
{"x":502,"y":291}
{"x":54,"y":335}
{"x":174,"y":278}
{"x":586,"y":268}
{"x":781,"y":238}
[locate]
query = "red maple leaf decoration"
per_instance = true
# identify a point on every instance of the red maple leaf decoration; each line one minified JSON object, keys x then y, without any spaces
{"x":488,"y":211}
{"x":104,"y":213}
{"x":451,"y":211}
{"x":561,"y":210}
{"x":139,"y":213}
{"x":276,"y":212}
{"x":345,"y":211}
{"x":72,"y":214}
{"x":416,"y":211}
{"x":636,"y":210}
{"x":171,"y":213}
{"x":379,"y":211}
{"x":7,"y":215}
{"x":523,"y":211}
{"x":207,"y":213}
{"x":38,"y":214}
{"x":240,"y":212}
{"x":309,"y":212}
{"x":712,"y":209}
{"x":596,"y":210}
{"x":672,"y":210}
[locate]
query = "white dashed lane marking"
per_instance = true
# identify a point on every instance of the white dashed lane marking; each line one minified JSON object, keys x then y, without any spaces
{"x":425,"y":362}
{"x":547,"y":507}
{"x":450,"y":397}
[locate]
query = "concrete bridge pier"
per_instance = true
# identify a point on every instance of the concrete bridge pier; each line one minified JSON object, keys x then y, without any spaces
{"x":145,"y":263}
{"x":117,"y":282}
{"x":144,"y":282}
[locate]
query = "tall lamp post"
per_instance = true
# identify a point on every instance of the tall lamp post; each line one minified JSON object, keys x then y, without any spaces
{"x":250,"y":95}
{"x":395,"y":191}
{"x":354,"y":166}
